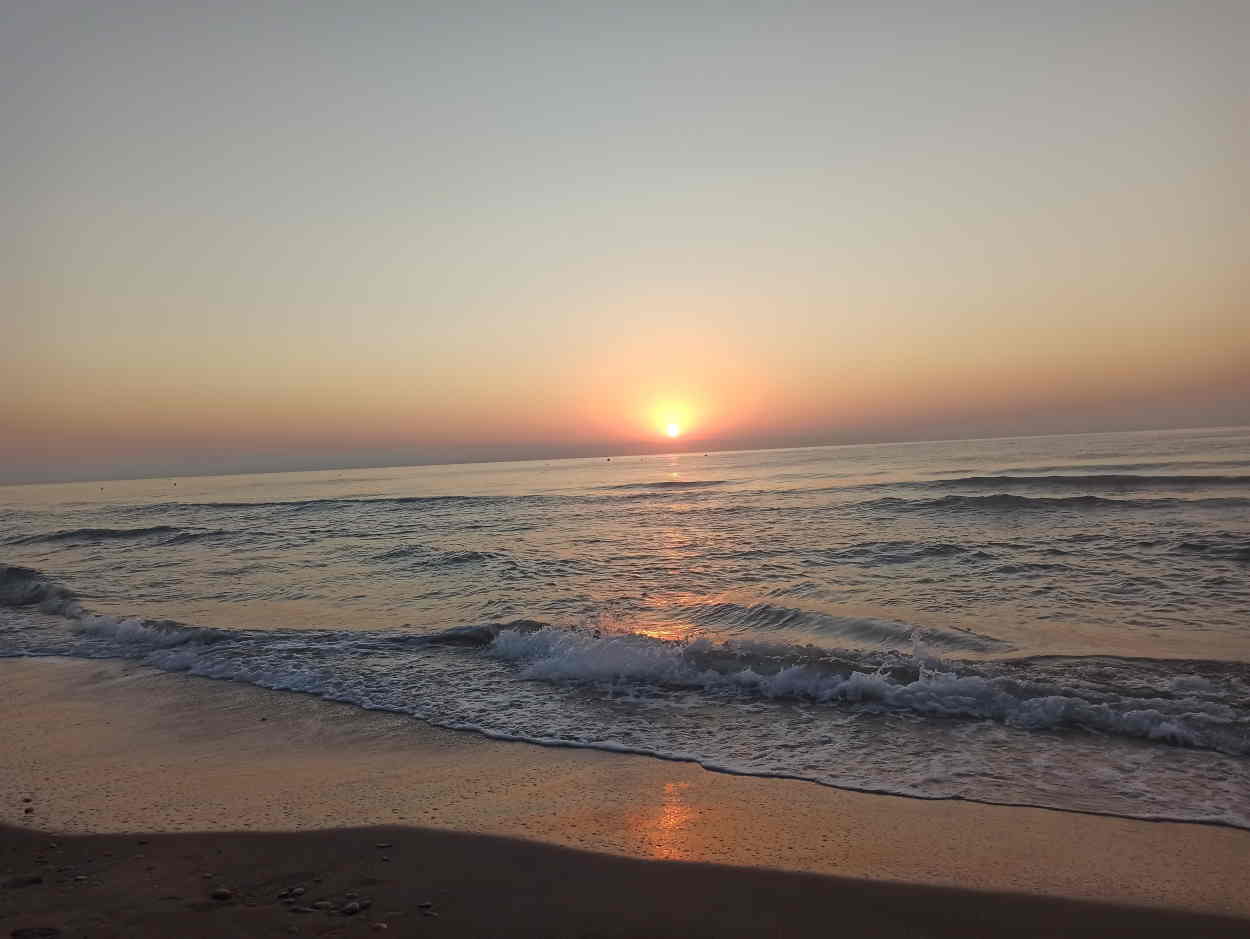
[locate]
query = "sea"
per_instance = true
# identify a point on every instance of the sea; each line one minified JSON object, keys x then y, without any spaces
{"x":1054,"y":621}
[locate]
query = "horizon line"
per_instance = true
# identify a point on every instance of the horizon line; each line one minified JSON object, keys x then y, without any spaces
{"x":615,"y":454}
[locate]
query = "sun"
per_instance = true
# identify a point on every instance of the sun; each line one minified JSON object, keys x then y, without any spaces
{"x":671,"y":417}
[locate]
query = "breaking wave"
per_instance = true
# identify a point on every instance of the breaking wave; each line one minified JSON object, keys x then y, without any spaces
{"x":919,"y":687}
{"x":24,"y":586}
{"x":149,"y":634}
{"x":905,"y":673}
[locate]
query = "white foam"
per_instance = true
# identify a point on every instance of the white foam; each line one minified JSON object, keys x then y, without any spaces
{"x":567,"y":654}
{"x":771,"y":728}
{"x":141,"y":632}
{"x":579,"y":656}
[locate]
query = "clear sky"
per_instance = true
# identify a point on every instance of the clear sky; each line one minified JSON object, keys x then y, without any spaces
{"x":277,"y":236}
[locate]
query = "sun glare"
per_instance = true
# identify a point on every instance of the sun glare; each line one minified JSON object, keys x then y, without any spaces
{"x":671,"y":418}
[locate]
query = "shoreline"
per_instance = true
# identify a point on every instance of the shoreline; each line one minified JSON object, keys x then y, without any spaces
{"x":108,"y":749}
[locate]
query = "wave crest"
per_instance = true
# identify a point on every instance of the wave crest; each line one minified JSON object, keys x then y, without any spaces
{"x":671,"y":484}
{"x":23,"y":586}
{"x":864,"y":629}
{"x":1007,"y":502}
{"x":1120,"y":481}
{"x":95,"y":534}
{"x":151,"y":634}
{"x":1179,"y":716}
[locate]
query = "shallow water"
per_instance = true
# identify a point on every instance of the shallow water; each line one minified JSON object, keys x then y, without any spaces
{"x":1060,"y":621}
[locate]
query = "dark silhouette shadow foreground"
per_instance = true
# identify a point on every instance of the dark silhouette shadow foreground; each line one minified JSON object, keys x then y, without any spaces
{"x":430,"y":882}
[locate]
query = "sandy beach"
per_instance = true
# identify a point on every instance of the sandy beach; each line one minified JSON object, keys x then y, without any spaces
{"x":624,"y":469}
{"x":131,"y":796}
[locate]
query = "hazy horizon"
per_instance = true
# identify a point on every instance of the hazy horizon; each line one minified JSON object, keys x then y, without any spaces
{"x":657,"y":450}
{"x":300,"y":237}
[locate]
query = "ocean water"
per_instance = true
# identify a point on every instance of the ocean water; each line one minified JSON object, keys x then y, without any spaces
{"x":1051,"y":621}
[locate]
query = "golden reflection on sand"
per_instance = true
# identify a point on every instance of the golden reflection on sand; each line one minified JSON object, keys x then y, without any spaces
{"x":666,"y":832}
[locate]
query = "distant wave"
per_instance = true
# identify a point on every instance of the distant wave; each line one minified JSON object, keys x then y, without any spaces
{"x":1031,"y":567}
{"x":672,"y":484}
{"x":177,"y":536}
{"x":1224,"y":547}
{"x":875,"y":553}
{"x":403,"y":551}
{"x":1006,"y":502}
{"x":1181,"y":465}
{"x":301,"y":504}
{"x":205,"y":534}
{"x":95,"y":534}
{"x":1120,"y":481}
{"x":426,"y":557}
{"x":633,"y":491}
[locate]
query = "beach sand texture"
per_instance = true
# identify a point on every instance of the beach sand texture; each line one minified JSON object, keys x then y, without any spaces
{"x":252,"y":791}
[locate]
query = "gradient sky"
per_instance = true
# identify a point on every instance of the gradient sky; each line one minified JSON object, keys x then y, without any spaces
{"x":275,"y":236}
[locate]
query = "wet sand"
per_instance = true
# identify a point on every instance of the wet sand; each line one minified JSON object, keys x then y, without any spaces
{"x":255,"y":792}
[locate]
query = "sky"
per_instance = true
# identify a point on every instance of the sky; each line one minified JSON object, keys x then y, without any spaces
{"x":244,"y":237}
